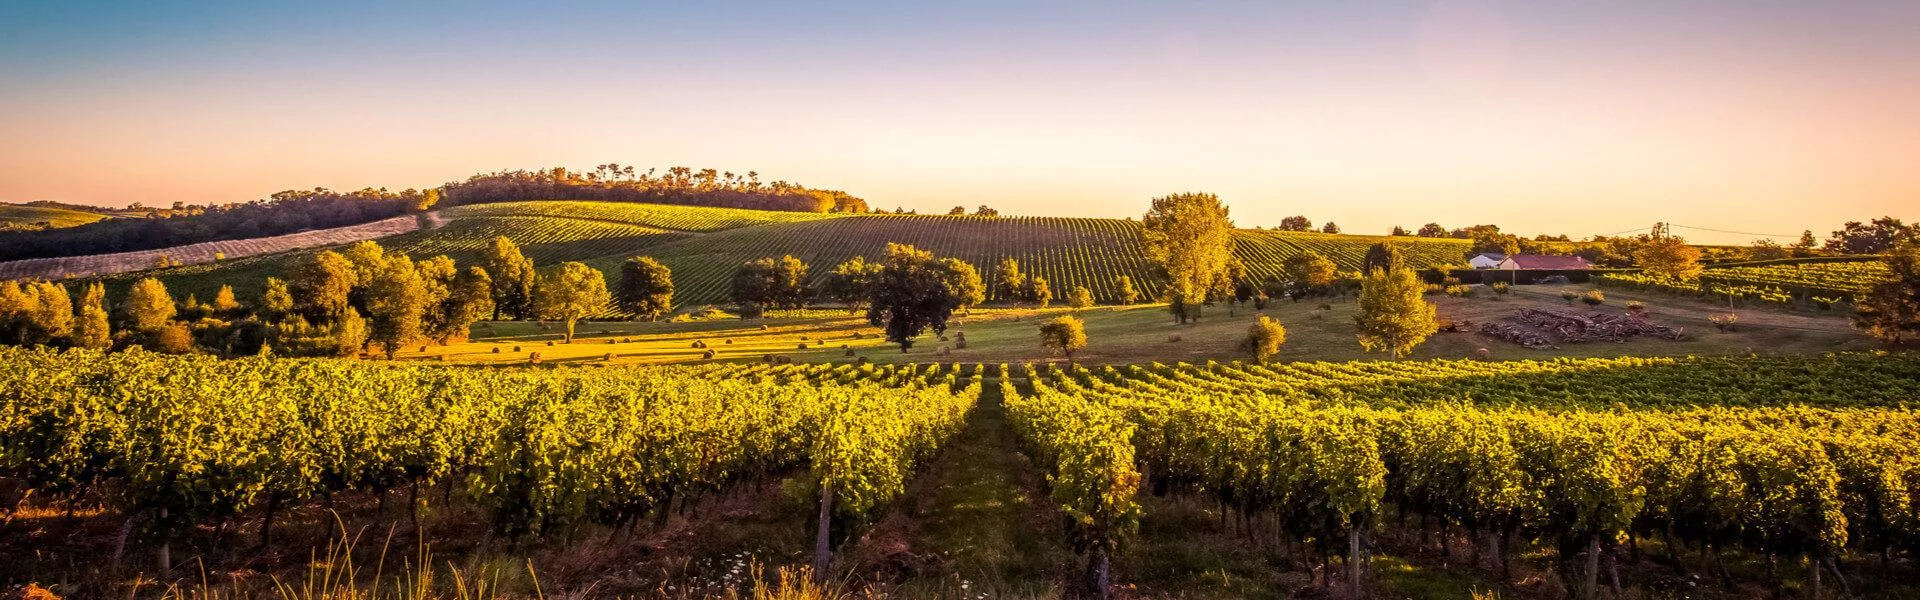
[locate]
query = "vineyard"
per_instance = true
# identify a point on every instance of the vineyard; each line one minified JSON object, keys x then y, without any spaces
{"x":1780,"y":458}
{"x":1823,"y":283}
{"x":15,"y":216}
{"x":192,"y":441}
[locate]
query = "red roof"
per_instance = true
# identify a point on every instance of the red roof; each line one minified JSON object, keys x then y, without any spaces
{"x":1546,"y":262}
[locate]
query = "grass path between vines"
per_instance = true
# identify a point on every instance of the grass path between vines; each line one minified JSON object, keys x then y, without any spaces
{"x":978,"y":515}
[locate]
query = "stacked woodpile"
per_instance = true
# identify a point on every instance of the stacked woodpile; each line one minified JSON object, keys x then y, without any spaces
{"x":1535,"y":328}
{"x":1517,"y":334}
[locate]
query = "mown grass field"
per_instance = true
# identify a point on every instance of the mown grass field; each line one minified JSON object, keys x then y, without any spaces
{"x":1135,"y":334}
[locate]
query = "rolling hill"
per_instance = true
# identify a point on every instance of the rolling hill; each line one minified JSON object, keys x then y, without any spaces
{"x":703,"y":246}
{"x":17,"y":216}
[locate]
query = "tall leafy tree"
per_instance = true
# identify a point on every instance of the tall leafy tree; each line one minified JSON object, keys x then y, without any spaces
{"x":1330,"y":227}
{"x":469,"y":299}
{"x":91,"y":328}
{"x":53,"y":318}
{"x":148,"y":307}
{"x":963,"y":283}
{"x":1190,"y":239}
{"x":1008,"y":283}
{"x":1295,"y":223}
{"x":1308,"y":271}
{"x":771,"y":283}
{"x":1891,"y":310}
{"x":569,"y":293}
{"x":1487,"y":239}
{"x":1394,"y":313}
{"x":1399,"y":231}
{"x":914,"y":292}
{"x":397,"y":299}
{"x":1380,"y":256}
{"x":1039,"y":291}
{"x":645,"y":289}
{"x":512,"y":275}
{"x":322,"y":283}
{"x":1432,"y":230}
{"x":1872,"y":237}
{"x":1128,"y":293}
{"x":851,"y":283}
{"x":1669,"y":256}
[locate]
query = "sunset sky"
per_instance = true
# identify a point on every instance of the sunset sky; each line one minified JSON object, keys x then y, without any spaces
{"x":1559,"y":117}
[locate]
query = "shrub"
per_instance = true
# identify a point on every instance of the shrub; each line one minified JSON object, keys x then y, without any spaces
{"x":1636,"y":306}
{"x":1459,"y":291}
{"x":1263,"y":338}
{"x":1569,"y":296}
{"x":1594,"y":298}
{"x":1723,"y":321}
{"x":960,"y":340}
{"x":1500,"y":288}
{"x":1823,"y":302}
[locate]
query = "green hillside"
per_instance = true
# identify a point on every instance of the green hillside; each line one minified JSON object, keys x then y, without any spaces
{"x":704,"y":246}
{"x":15,"y":216}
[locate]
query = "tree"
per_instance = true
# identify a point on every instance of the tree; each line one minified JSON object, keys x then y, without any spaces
{"x":1008,"y":283}
{"x":1891,"y":310}
{"x":35,"y":313}
{"x":1190,"y":238}
{"x":322,"y":284}
{"x":963,"y":282}
{"x":1295,"y":223}
{"x":771,"y":283}
{"x":1806,"y":245}
{"x":224,"y":303}
{"x":275,"y":301}
{"x":1128,"y":294}
{"x":512,"y":275}
{"x":1263,"y":338}
{"x":957,"y":211}
{"x":1432,"y":230}
{"x":1330,"y":227}
{"x":913,"y":292}
{"x":148,"y":307}
{"x":91,"y":329}
{"x":469,"y":299}
{"x":1080,"y":297}
{"x":1380,"y":256}
{"x":1308,"y":271}
{"x":569,"y":293}
{"x":1670,"y":257}
{"x":397,"y":299}
{"x":368,"y":259}
{"x":1394,"y":315}
{"x":850,"y":283}
{"x":1874,"y":237}
{"x":1766,"y":249}
{"x":986,"y":211}
{"x":1399,"y":231}
{"x":645,"y":289}
{"x":1039,"y":291}
{"x":1067,"y":334}
{"x":1487,"y":239}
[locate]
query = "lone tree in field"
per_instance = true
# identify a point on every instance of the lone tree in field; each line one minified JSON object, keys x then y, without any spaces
{"x":1432,"y":230}
{"x":1067,"y":334}
{"x":1330,"y":227}
{"x":322,"y":284}
{"x":1891,"y":310}
{"x":1380,"y":255}
{"x":1398,"y":231}
{"x":771,"y":283}
{"x":1669,"y":256}
{"x":1295,"y":223}
{"x":1190,"y":238}
{"x":1263,"y":338}
{"x":914,"y":292}
{"x":850,"y":283}
{"x":1308,"y":272}
{"x":90,"y":328}
{"x":512,"y":275}
{"x":645,"y":289}
{"x":1008,"y":283}
{"x":1128,"y":293}
{"x":396,"y":301}
{"x":1394,"y":315}
{"x":148,"y":307}
{"x":569,"y":293}
{"x":1080,"y":297}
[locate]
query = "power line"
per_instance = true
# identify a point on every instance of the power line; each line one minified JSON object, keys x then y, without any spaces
{"x":1779,"y":235}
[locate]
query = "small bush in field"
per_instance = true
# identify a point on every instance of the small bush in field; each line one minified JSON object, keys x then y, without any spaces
{"x":1569,"y":296}
{"x":1594,"y":298}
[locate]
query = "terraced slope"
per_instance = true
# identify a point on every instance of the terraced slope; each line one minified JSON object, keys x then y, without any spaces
{"x":33,"y":216}
{"x":205,"y":252}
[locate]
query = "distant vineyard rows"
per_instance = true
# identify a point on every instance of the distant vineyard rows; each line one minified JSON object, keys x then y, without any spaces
{"x":122,"y":262}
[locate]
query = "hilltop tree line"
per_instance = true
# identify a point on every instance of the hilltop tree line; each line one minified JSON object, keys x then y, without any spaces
{"x":299,"y":210}
{"x":1877,"y":236}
